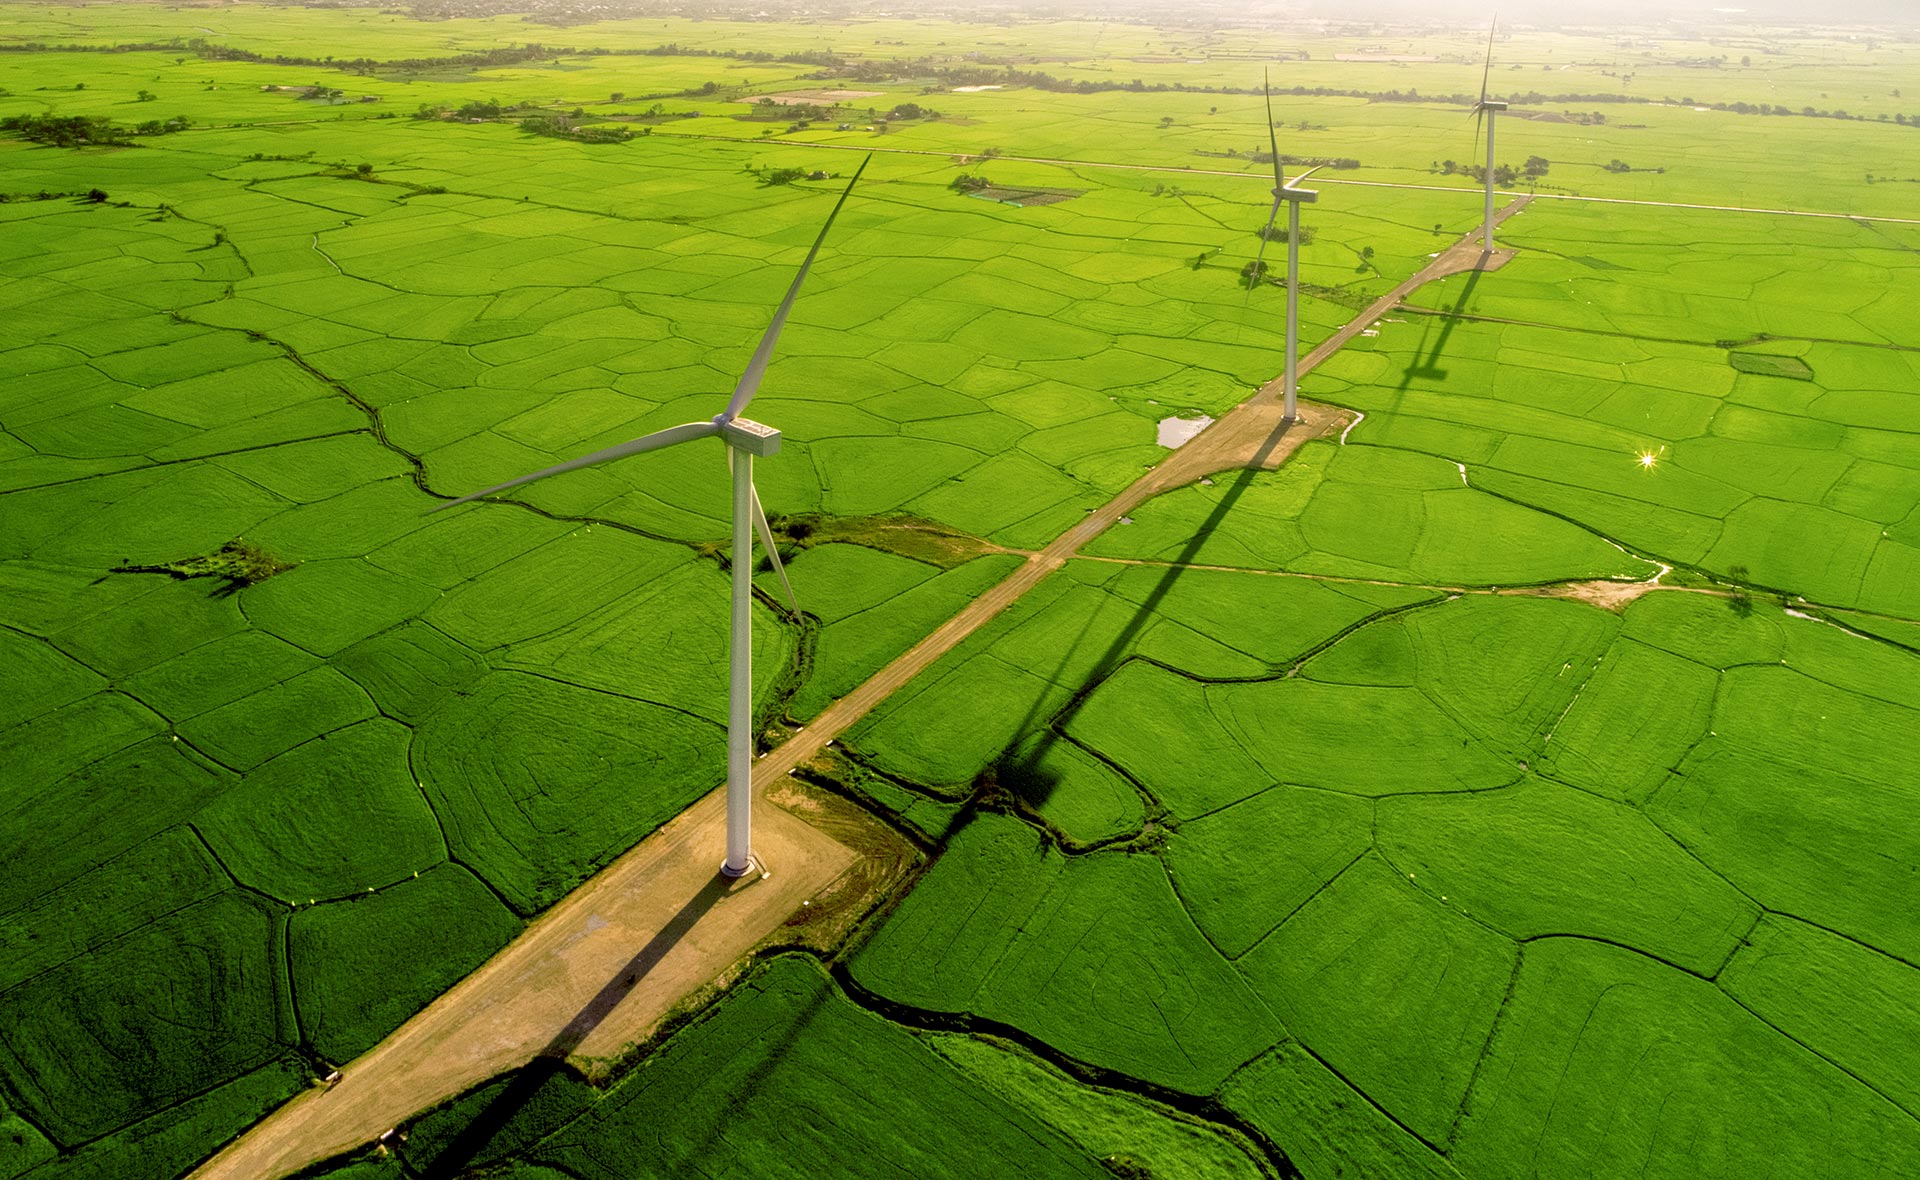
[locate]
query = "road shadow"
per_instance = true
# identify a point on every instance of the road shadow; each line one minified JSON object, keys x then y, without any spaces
{"x":489,"y":1122}
{"x":1020,"y":772}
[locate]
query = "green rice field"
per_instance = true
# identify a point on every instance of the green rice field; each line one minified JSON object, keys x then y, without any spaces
{"x":1517,"y":781}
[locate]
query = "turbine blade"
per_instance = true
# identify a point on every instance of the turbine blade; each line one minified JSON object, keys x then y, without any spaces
{"x":1266,"y":235}
{"x":1273,"y":141}
{"x":1478,"y":117}
{"x":757,"y":367}
{"x":685,"y":432}
{"x":765,"y":530}
{"x":1295,"y":182}
{"x":1487,"y":73}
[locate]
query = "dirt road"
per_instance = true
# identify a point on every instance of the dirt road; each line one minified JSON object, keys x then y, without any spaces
{"x":600,"y":969}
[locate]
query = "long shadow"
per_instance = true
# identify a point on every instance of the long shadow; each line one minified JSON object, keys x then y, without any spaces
{"x":1428,"y":367}
{"x":1020,"y":769}
{"x":480,"y":1132}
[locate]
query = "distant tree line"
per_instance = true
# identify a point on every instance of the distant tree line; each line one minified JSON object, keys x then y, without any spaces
{"x":982,"y":71}
{"x":367,"y":65}
{"x":565,"y":127}
{"x":1260,"y":156}
{"x":85,"y":130}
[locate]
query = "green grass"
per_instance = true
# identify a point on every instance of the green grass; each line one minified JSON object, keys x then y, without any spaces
{"x":1092,"y":955}
{"x":1370,"y":513}
{"x":1431,"y":981}
{"x":1109,"y":1125}
{"x":566,"y":779}
{"x":1605,"y":1052}
{"x":111,"y":1038}
{"x":352,"y":986}
{"x":1404,"y":899}
{"x":1542,"y":859}
{"x":807,"y":1080}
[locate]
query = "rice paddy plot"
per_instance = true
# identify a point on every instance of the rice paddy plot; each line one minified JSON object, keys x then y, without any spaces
{"x":111,"y":1038}
{"x":1429,"y":981}
{"x":1366,"y":513}
{"x":1604,"y":1051}
{"x":335,"y":817}
{"x":813,"y":1081}
{"x":294,"y":351}
{"x":1327,"y":1125}
{"x":873,"y":606}
{"x":566,"y":779}
{"x":1539,"y":858}
{"x":1010,"y":681}
{"x":1713,"y":478}
{"x":1093,"y":955}
{"x":350,"y":986}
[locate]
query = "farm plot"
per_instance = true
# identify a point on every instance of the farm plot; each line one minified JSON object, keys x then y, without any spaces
{"x":812,"y":1080}
{"x":1648,"y":420}
{"x":996,"y":702}
{"x":231,"y":796}
{"x":1460,"y":911}
{"x":1646,"y":826}
{"x":1365,"y":512}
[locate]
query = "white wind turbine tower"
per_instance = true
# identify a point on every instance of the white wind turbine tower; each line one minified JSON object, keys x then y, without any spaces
{"x":1488,"y":111}
{"x":1293,"y":196}
{"x":744,"y":439}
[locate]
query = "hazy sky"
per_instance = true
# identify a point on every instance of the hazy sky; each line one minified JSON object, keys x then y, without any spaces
{"x":1610,"y":11}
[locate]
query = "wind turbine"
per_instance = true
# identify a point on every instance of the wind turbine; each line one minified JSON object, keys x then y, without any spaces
{"x":744,"y":440}
{"x":1487,"y":110}
{"x":1293,"y":196}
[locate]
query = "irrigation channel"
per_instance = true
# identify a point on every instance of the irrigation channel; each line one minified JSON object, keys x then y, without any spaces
{"x":658,"y":928}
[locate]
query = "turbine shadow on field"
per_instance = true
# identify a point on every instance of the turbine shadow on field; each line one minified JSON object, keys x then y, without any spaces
{"x":479,"y":1133}
{"x":1427,"y":364}
{"x":1021,"y":769}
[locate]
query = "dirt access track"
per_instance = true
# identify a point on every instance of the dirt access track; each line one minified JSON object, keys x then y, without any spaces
{"x":599,"y":971}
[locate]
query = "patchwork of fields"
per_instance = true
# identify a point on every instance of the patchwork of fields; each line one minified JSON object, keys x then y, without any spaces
{"x":1321,"y":818}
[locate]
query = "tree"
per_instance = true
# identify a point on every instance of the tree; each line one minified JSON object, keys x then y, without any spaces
{"x":1166,"y":121}
{"x":363,"y":171}
{"x":96,"y":196}
{"x":145,"y":96}
{"x":616,"y":96}
{"x":1537,"y":166}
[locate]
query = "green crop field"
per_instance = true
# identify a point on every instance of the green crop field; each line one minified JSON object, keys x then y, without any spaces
{"x":1516,"y":781}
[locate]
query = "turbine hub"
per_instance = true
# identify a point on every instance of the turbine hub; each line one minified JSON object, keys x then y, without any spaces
{"x":743,"y":434}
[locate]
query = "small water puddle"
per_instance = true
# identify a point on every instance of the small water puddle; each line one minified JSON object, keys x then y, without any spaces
{"x":1177,"y":432}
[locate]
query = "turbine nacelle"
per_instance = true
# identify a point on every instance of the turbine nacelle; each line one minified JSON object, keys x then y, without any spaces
{"x":744,"y":434}
{"x":1488,"y":104}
